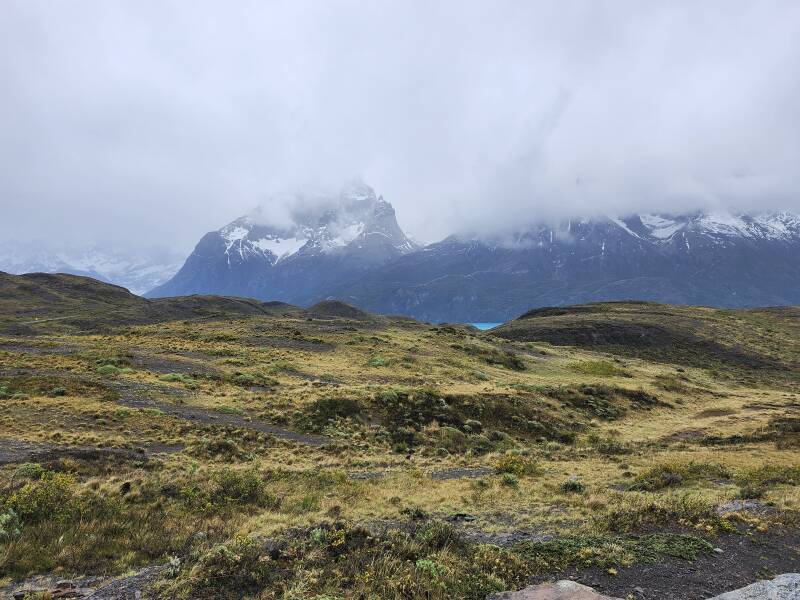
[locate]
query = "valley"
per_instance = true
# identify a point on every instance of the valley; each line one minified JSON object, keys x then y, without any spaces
{"x":197,"y":447}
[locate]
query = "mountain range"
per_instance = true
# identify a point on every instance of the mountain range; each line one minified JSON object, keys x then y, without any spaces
{"x":351,"y":247}
{"x":137,"y":271}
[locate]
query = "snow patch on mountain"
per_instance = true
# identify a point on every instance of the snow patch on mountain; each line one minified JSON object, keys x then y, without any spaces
{"x":280,"y":247}
{"x":660,"y":227}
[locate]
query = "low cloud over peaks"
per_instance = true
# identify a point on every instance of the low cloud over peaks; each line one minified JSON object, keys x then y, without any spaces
{"x":131,"y":120}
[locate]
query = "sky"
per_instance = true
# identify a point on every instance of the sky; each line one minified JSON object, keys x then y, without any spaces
{"x":154,"y":121}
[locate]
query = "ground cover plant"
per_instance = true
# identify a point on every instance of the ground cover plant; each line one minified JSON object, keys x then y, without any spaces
{"x":293,"y":455}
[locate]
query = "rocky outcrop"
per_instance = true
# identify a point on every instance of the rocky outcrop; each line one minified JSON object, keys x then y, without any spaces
{"x":783,"y":587}
{"x":561,"y":590}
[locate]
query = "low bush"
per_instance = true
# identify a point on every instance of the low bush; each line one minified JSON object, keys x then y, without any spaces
{"x":428,"y":561}
{"x":675,"y":473}
{"x":324,"y":411}
{"x":520,"y":466}
{"x":47,"y":498}
{"x":187,"y":380}
{"x":633,"y":511}
{"x":754,"y":483}
{"x":573,"y":485}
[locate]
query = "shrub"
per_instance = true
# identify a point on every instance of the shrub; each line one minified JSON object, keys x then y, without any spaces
{"x":323,"y":411}
{"x":10,"y":526}
{"x":492,"y":356}
{"x":30,"y":471}
{"x":473,"y":426}
{"x":48,"y":498}
{"x":430,"y":568}
{"x":673,"y":474}
{"x":453,"y":439}
{"x":6,"y":390}
{"x":631,"y":511}
{"x":573,"y":485}
{"x":179,"y":378}
{"x":109,"y":370}
{"x":238,"y":487}
{"x":519,"y":466}
{"x":755,"y":482}
{"x":215,"y":447}
{"x":599,"y":400}
{"x":509,"y":480}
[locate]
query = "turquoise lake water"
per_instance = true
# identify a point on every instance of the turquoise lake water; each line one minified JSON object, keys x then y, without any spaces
{"x":485,"y":326}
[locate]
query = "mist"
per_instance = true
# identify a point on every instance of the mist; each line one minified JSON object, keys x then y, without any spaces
{"x":152,"y":122}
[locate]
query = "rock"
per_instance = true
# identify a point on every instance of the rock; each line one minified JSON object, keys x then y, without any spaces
{"x":733,"y":506}
{"x":783,"y":587}
{"x":461,"y":517}
{"x":719,"y":551}
{"x":65,"y":584}
{"x":130,"y":588}
{"x":73,"y":592}
{"x":561,"y":590}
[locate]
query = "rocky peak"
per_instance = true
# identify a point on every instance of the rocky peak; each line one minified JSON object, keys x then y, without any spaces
{"x":352,"y":220}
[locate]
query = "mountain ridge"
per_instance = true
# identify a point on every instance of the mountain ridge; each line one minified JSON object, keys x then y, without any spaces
{"x":353,"y":249}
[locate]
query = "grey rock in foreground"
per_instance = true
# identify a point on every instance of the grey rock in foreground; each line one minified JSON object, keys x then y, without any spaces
{"x":130,"y":588}
{"x":783,"y":587}
{"x":561,"y":590}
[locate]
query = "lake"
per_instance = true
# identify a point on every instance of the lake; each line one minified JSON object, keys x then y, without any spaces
{"x":485,"y":326}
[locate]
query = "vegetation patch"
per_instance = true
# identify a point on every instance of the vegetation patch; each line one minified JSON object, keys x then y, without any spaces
{"x":599,"y":368}
{"x":610,"y":551}
{"x":673,"y":474}
{"x":329,"y":410}
{"x":493,"y":356}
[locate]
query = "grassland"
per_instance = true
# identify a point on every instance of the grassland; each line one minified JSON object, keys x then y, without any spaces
{"x":263,"y":451}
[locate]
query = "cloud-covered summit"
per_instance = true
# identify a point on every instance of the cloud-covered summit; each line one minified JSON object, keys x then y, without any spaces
{"x":128,"y":120}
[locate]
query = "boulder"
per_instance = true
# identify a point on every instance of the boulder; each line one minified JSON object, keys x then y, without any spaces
{"x":561,"y":590}
{"x":783,"y":587}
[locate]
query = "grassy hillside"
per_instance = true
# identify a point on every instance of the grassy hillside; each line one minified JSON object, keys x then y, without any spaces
{"x":760,"y":344}
{"x":42,"y":302}
{"x":265,"y":451}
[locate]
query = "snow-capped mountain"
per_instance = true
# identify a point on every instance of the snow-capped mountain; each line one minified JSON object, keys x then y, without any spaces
{"x":136,"y":271}
{"x":714,"y":259}
{"x":350,"y":247}
{"x":720,"y":227}
{"x":324,"y":240}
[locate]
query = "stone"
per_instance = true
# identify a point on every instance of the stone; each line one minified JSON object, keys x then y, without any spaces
{"x":733,"y":506}
{"x":783,"y":587}
{"x":461,"y":517}
{"x":561,"y":590}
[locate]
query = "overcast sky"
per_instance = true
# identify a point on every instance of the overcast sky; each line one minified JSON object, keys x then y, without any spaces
{"x":155,"y":121}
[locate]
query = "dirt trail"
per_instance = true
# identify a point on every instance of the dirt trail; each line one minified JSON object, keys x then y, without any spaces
{"x":134,"y":395}
{"x":20,"y":451}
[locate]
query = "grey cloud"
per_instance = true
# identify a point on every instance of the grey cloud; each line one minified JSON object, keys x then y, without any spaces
{"x":155,"y":121}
